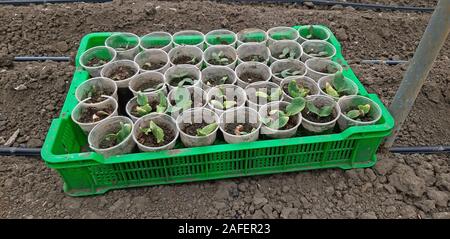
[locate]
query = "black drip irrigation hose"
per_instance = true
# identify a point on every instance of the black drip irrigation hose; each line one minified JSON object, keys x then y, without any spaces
{"x":387,"y":62}
{"x":345,"y":4}
{"x":41,"y":58}
{"x":26,"y":2}
{"x":14,"y":151}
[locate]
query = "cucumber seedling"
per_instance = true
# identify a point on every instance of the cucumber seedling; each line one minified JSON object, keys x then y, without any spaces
{"x":296,"y":90}
{"x":278,"y":119}
{"x":219,"y":58}
{"x":208,"y":129}
{"x":287,"y":72}
{"x":183,"y":79}
{"x":144,"y":107}
{"x":287,"y":53}
{"x":360,"y":113}
{"x":182,"y":99}
{"x":227,"y":104}
{"x":155,"y":130}
{"x":339,"y":86}
{"x":116,"y":138}
{"x":321,"y":112}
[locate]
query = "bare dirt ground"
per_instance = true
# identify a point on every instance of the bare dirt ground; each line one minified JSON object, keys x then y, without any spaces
{"x":399,"y":186}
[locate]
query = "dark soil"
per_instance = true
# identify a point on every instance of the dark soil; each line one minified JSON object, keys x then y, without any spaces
{"x":125,"y":47}
{"x":150,"y":66}
{"x":121,"y":73}
{"x":152,"y":103}
{"x":87,"y":115}
{"x":315,"y":118}
{"x":255,"y":57}
{"x":251,"y":77}
{"x":330,"y":69}
{"x":150,"y":140}
{"x":398,"y":186}
{"x":185,"y":59}
{"x":213,"y":61}
{"x":191,"y":129}
{"x":233,"y":128}
{"x":94,"y":62}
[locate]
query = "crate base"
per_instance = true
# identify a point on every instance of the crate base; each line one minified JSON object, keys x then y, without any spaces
{"x":103,"y":190}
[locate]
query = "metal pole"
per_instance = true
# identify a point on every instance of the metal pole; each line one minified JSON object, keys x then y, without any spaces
{"x":432,"y":41}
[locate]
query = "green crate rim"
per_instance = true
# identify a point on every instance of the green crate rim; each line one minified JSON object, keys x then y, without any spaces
{"x":75,"y":160}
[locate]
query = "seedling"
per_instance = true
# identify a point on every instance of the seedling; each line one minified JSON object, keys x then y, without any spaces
{"x":91,"y":92}
{"x":227,"y":104}
{"x":325,"y":111}
{"x":277,"y":119}
{"x":193,"y":61}
{"x":295,"y":90}
{"x":121,"y":135}
{"x":338,"y":87}
{"x":144,"y":107}
{"x":98,"y":115}
{"x":287,"y":53}
{"x":157,"y":87}
{"x":310,"y":32}
{"x":238,"y":131}
{"x":206,"y":130}
{"x":220,"y":58}
{"x":221,"y":81}
{"x":272,"y":97}
{"x":362,"y":111}
{"x":124,"y":47}
{"x":157,"y":131}
{"x":182,"y":99}
{"x":287,"y":72}
{"x":183,"y":79}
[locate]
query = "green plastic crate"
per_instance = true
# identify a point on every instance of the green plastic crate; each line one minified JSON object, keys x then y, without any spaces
{"x":88,"y":173}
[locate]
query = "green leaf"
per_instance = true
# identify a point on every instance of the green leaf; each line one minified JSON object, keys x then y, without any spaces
{"x":125,"y":130}
{"x":157,"y":132}
{"x":292,"y":54}
{"x":143,"y":110}
{"x":293,"y":89}
{"x":364,"y":108}
{"x":142,"y":99}
{"x":265,"y":120}
{"x":296,"y":106}
{"x":310,"y":31}
{"x":160,"y":109}
{"x":353,"y":114}
{"x":184,"y":81}
{"x":284,"y":53}
{"x":321,"y":112}
{"x":262,"y":94}
{"x":223,"y":80}
{"x":279,"y":123}
{"x":217,"y":104}
{"x":286,"y":73}
{"x":162,"y":99}
{"x":229,"y":103}
{"x":296,"y":73}
{"x":330,"y":90}
{"x":207,"y":129}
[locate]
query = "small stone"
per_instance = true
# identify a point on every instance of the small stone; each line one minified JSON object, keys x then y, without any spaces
{"x":21,"y":87}
{"x":267,"y":209}
{"x":242,"y":187}
{"x":62,"y":46}
{"x":337,"y":7}
{"x":12,"y":139}
{"x":258,"y":215}
{"x":259,"y":201}
{"x":34,"y":143}
{"x":309,"y":4}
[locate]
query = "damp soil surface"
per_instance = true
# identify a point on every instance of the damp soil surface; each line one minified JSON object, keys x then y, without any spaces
{"x":257,"y":58}
{"x":239,"y":128}
{"x":185,"y":59}
{"x":97,"y":97}
{"x":150,"y":140}
{"x":217,"y":62}
{"x":191,"y":129}
{"x":121,"y":73}
{"x":217,"y":80}
{"x":153,"y":65}
{"x":95,"y":62}
{"x":251,"y":77}
{"x":315,"y":118}
{"x":398,"y":186}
